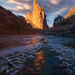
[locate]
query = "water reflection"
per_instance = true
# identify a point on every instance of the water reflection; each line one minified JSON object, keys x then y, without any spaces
{"x":34,"y":41}
{"x":39,"y":60}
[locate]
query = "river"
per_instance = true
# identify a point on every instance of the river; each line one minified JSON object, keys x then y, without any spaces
{"x":36,"y":55}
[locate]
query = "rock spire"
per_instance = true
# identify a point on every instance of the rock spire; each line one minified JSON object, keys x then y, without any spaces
{"x":37,"y":17}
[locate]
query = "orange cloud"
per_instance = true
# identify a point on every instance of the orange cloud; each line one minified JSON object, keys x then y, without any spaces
{"x":13,"y":1}
{"x":55,"y":2}
{"x":27,"y":6}
{"x":18,"y":8}
{"x":21,"y":5}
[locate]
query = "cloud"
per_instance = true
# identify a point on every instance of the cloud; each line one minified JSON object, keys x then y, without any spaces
{"x":19,"y":8}
{"x":55,"y":2}
{"x":49,"y":5}
{"x":52,"y":7}
{"x":23,"y":6}
{"x":27,"y":6}
{"x":19,"y":1}
{"x":13,"y":1}
{"x":60,"y":11}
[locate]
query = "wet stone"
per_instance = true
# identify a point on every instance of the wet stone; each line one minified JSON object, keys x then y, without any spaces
{"x":18,"y":66}
{"x":13,"y":60}
{"x":2,"y":62}
{"x":3,"y":72}
{"x":9,"y":57}
{"x":14,"y":72}
{"x":16,"y":55}
{"x":2,"y":68}
{"x":30,"y":56}
{"x":11,"y":71}
{"x":44,"y":41}
{"x":16,"y":52}
{"x":23,"y":58}
{"x":20,"y":61}
{"x":69,"y":72}
{"x":60,"y":57}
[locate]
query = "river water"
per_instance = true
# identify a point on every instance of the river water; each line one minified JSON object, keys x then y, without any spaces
{"x":36,"y":55}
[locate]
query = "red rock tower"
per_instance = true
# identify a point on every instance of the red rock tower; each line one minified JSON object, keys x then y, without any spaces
{"x":37,"y":18}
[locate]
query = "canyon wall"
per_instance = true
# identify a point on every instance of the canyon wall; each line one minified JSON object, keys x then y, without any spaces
{"x":37,"y":17}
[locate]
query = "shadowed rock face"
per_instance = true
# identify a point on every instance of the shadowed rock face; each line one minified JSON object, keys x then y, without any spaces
{"x":71,"y":12}
{"x":12,"y":24}
{"x":37,"y":18}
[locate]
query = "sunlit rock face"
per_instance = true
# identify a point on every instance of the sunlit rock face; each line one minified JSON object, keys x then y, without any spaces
{"x":52,"y":26}
{"x":71,"y":12}
{"x":37,"y":18}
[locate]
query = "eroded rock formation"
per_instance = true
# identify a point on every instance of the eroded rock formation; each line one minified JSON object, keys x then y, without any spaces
{"x":71,"y":12}
{"x":37,"y":17}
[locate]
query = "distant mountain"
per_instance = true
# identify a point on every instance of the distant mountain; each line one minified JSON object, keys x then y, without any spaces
{"x":12,"y":24}
{"x":70,"y":13}
{"x":37,"y":17}
{"x":68,"y":20}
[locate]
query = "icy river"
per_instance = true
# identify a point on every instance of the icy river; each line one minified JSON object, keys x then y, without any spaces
{"x":36,"y":55}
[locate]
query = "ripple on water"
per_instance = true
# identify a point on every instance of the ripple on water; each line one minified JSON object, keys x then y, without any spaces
{"x":44,"y":58}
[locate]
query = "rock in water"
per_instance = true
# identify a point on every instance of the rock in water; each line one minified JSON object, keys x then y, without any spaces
{"x":71,"y":12}
{"x":37,"y":18}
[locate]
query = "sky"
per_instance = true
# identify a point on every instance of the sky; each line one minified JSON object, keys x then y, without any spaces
{"x":52,"y":7}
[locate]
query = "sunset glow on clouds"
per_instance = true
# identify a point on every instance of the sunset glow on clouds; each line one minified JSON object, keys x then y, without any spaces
{"x":55,"y":2}
{"x":52,"y":7}
{"x":21,"y":5}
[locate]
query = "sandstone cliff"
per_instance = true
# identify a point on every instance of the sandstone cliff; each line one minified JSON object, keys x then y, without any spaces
{"x":37,"y":18}
{"x":67,"y":27}
{"x":52,"y":26}
{"x":11,"y":24}
{"x":71,"y":12}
